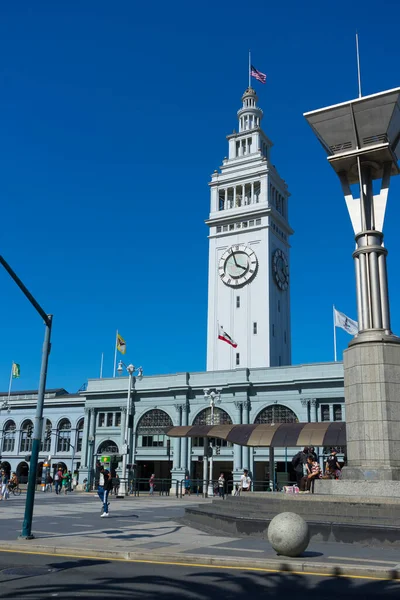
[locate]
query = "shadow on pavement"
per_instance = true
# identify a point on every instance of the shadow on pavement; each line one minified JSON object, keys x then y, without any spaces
{"x":105,"y":580}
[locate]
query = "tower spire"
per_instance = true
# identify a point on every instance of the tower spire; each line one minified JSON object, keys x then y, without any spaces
{"x":250,"y":114}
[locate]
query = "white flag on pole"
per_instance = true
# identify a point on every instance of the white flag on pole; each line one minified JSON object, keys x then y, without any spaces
{"x":341,"y":320}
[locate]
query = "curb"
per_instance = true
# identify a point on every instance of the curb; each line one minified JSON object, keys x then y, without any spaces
{"x":287,"y":565}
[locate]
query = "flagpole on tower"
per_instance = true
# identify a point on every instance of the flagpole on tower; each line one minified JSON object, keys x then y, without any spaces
{"x":358,"y":67}
{"x":334,"y":334}
{"x":101,"y":365}
{"x":249,"y":68}
{"x":115,"y":353}
{"x":10,"y":384}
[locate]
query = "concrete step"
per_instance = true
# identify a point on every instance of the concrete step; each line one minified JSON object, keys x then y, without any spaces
{"x":216,"y":511}
{"x":345,"y":519}
{"x":362,"y":532}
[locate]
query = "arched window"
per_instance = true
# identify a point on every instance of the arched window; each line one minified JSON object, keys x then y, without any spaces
{"x":151,"y":427}
{"x":26,"y":436}
{"x":205,"y":418}
{"x":64,"y":436}
{"x":79,"y":435}
{"x":46,"y":442}
{"x":276,"y":413}
{"x":220,"y":417}
{"x":107,"y":447}
{"x":9,"y":436}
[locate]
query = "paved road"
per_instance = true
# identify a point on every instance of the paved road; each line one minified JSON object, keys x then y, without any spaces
{"x":149,"y":525}
{"x":33,"y":577}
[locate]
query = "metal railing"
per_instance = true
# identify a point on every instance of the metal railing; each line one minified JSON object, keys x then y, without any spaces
{"x":200,"y":487}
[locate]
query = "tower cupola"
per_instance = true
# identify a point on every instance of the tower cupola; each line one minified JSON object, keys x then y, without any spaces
{"x":249,"y":115}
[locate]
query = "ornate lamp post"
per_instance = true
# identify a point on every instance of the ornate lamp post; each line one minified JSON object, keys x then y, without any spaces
{"x":37,"y":432}
{"x":362,"y":140}
{"x":131,"y":369}
{"x":212,"y":397}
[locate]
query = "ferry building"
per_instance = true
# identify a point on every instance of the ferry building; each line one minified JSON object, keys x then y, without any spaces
{"x":252,"y":377}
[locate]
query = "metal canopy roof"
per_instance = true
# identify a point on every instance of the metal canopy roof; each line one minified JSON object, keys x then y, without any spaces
{"x":368,"y":127}
{"x":281,"y":435}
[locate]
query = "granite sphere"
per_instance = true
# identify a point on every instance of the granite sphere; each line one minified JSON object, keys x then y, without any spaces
{"x":288,"y":534}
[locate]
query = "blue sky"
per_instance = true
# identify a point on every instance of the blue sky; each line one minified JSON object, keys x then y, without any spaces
{"x":113,"y":117}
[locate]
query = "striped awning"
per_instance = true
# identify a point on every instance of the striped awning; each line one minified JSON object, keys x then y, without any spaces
{"x":281,"y":435}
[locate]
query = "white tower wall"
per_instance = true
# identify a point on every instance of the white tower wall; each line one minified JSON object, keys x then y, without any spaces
{"x":249,"y":209}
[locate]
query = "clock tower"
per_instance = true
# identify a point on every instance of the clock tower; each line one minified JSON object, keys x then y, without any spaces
{"x":249,"y":267}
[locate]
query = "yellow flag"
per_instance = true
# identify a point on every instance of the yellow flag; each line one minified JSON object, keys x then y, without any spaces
{"x":121,"y":344}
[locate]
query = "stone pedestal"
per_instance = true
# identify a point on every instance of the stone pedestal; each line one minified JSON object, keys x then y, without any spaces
{"x":372,"y":394}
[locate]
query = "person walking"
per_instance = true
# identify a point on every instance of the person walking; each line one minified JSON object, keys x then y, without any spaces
{"x":4,"y":485}
{"x":103,"y":489}
{"x":58,"y":480}
{"x":70,"y":489}
{"x":116,"y":484}
{"x":221,"y":486}
{"x":65,"y":481}
{"x":49,"y":483}
{"x":187,"y":485}
{"x":152,"y":484}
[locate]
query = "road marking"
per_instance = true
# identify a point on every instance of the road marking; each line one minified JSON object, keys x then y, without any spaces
{"x":368,"y":560}
{"x":237,"y":549}
{"x":182,"y":564}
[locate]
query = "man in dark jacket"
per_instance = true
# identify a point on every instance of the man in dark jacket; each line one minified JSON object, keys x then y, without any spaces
{"x":298,"y":462}
{"x":104,"y":488}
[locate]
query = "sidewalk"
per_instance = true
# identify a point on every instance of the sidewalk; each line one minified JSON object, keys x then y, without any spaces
{"x":149,"y":529}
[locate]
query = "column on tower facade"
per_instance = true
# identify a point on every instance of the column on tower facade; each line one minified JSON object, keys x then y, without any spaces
{"x":177,"y":441}
{"x":184,"y":445}
{"x":313,"y":410}
{"x":226,"y":199}
{"x":252,"y":193}
{"x":234,"y":196}
{"x":133,"y":440}
{"x":91,"y":440}
{"x":245,"y":421}
{"x":237,"y":450}
{"x":85,"y":439}
{"x":304,"y":403}
{"x":331,"y":415}
{"x":344,"y":411}
{"x":178,"y":471}
{"x":123,"y":425}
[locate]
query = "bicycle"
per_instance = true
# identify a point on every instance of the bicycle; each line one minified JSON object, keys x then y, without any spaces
{"x":15,"y":491}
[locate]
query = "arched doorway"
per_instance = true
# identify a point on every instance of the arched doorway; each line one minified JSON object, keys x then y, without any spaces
{"x":220,"y":417}
{"x":23,"y":472}
{"x":271,"y":415}
{"x":108,"y":447}
{"x":60,"y":466}
{"x":150,"y":435}
{"x":7,"y":467}
{"x":39,"y":472}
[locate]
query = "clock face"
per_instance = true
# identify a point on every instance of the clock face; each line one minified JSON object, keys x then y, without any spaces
{"x":280,"y":268}
{"x":237,"y":265}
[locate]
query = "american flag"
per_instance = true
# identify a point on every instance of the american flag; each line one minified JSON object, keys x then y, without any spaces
{"x":258,"y":75}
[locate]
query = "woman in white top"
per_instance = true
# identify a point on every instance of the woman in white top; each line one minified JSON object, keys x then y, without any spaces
{"x":245,"y":481}
{"x":221,"y":486}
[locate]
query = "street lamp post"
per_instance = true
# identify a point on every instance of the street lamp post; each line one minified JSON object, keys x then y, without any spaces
{"x":211,"y":396}
{"x":37,"y":431}
{"x":123,"y":488}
